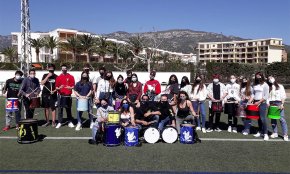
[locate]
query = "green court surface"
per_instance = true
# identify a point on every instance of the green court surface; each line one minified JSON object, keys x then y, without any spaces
{"x":218,"y":152}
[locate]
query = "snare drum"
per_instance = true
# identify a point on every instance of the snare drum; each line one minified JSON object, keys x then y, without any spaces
{"x":252,"y":112}
{"x":169,"y":134}
{"x":34,"y":102}
{"x":230,"y":108}
{"x":131,"y":136}
{"x":274,"y":112}
{"x":151,"y":135}
{"x":112,"y":135}
{"x":113,"y":117}
{"x":12,"y":104}
{"x":28,"y":131}
{"x":187,"y":134}
{"x":217,"y":107}
{"x":83,"y":104}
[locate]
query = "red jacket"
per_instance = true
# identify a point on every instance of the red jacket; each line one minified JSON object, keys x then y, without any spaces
{"x":65,"y":80}
{"x":153,"y":84}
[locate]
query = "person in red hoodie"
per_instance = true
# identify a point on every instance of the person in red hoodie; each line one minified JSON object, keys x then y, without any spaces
{"x":152,"y":87}
{"x":64,"y":85}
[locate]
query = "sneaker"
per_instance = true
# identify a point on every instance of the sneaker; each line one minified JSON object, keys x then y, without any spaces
{"x":235,"y":130}
{"x":266,"y":137}
{"x":198,"y":128}
{"x":258,"y":134}
{"x":71,"y":125}
{"x":78,"y":127}
{"x":53,"y":124}
{"x":58,"y":125}
{"x":217,"y":129}
{"x":46,"y":124}
{"x":245,"y":133}
{"x":274,"y":135}
{"x":230,"y":129}
{"x":209,"y":130}
{"x":17,"y":127}
{"x":285,"y":137}
{"x":6,"y":128}
{"x":203,"y":130}
{"x":93,"y":142}
{"x":91,"y":125}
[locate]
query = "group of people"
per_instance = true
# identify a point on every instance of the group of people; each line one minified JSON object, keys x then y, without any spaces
{"x":146,"y":105}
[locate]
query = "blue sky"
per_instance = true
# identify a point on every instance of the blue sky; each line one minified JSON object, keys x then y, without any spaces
{"x":245,"y":18}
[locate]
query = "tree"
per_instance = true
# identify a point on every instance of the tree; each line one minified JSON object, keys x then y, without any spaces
{"x":51,"y":43}
{"x":87,"y":45}
{"x":37,"y":44}
{"x":102,"y":48}
{"x":114,"y":50}
{"x":73,"y":45}
{"x":10,"y":53}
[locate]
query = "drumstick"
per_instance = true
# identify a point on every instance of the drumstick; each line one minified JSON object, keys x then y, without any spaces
{"x":47,"y":88}
{"x":32,"y":91}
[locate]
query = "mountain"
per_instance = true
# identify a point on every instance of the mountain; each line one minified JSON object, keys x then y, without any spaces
{"x":5,"y":41}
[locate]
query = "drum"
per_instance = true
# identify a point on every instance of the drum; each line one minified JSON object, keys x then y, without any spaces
{"x":113,"y":117}
{"x":274,"y":112}
{"x":230,"y":108}
{"x":34,"y":102}
{"x":131,"y":136}
{"x":64,"y":101}
{"x":241,"y":112}
{"x":83,"y":104}
{"x":12,"y":104}
{"x":252,"y":112}
{"x":112,"y":135}
{"x":151,"y":135}
{"x":217,"y":107}
{"x":28,"y":131}
{"x":169,"y":134}
{"x":187,"y":134}
{"x":117,"y":104}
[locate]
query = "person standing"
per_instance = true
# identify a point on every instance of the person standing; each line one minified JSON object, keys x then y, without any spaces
{"x":12,"y":87}
{"x":49,"y":94}
{"x":185,"y":85}
{"x":152,"y":87}
{"x":64,"y":85}
{"x":30,"y":88}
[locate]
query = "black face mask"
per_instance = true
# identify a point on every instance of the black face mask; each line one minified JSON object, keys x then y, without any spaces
{"x":244,"y":84}
{"x":108,"y":77}
{"x":163,"y":104}
{"x":86,"y":70}
{"x":197,"y":80}
{"x":85,"y":78}
{"x":144,"y":102}
{"x":102,"y":74}
{"x":51,"y":71}
{"x":258,"y":80}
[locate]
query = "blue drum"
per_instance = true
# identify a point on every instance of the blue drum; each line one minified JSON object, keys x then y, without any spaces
{"x":131,"y":136}
{"x":83,"y":104}
{"x":187,"y":134}
{"x":112,"y":135}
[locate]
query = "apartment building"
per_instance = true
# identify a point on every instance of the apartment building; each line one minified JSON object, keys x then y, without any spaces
{"x":246,"y":51}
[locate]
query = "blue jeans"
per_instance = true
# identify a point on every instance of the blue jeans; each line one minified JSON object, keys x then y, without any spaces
{"x":80,"y":113}
{"x":262,"y":122}
{"x":247,"y":122}
{"x":95,"y":130}
{"x":202,"y":112}
{"x":282,"y":120}
{"x":163,"y":123}
{"x":154,"y":119}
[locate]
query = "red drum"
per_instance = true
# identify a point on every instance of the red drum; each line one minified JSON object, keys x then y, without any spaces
{"x":217,"y":107}
{"x":34,"y":103}
{"x":252,"y":112}
{"x":230,"y":108}
{"x":241,"y":112}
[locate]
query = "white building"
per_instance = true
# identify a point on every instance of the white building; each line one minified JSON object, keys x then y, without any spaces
{"x":246,"y":51}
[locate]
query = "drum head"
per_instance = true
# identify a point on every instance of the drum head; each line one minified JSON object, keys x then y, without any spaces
{"x":28,"y":121}
{"x":169,"y":135}
{"x":151,"y":135}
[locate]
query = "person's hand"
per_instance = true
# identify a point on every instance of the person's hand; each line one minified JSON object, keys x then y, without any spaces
{"x":133,"y":124}
{"x":268,"y":105}
{"x":138,"y":104}
{"x":61,"y":86}
{"x":49,"y":74}
{"x":281,"y":107}
{"x":125,"y":124}
{"x":257,"y":103}
{"x":27,"y":95}
{"x":147,"y":114}
{"x":97,"y":100}
{"x":145,"y":123}
{"x":173,"y":125}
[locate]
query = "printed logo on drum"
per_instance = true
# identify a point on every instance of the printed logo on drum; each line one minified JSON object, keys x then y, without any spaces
{"x":187,"y":136}
{"x":118,"y":132}
{"x":131,"y":137}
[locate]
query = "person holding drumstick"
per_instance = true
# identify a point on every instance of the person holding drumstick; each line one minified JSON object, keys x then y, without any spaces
{"x":261,"y":94}
{"x":30,"y":88}
{"x":277,"y":97}
{"x":12,"y":87}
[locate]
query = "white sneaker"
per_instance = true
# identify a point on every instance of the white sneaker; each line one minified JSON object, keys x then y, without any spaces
{"x":198,"y":128}
{"x":71,"y":125}
{"x":274,"y":135}
{"x":230,"y":129}
{"x":203,"y":130}
{"x":258,"y":134}
{"x":235,"y":130}
{"x":245,"y":133}
{"x":217,"y":129}
{"x":91,"y":125}
{"x":285,"y":137}
{"x":209,"y":130}
{"x":266,"y":137}
{"x":58,"y":125}
{"x":78,"y":127}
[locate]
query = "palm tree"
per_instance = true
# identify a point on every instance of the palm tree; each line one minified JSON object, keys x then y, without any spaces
{"x":102,"y":48}
{"x":73,"y":45}
{"x":37,"y":44}
{"x":50,"y":43}
{"x":137,"y":44}
{"x":114,"y":49}
{"x":87,"y":45}
{"x":10,"y":53}
{"x":124,"y":53}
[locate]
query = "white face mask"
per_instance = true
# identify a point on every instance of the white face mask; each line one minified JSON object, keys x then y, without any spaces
{"x":17,"y":77}
{"x":32,"y":76}
{"x":272,"y":80}
{"x":215,"y":80}
{"x":233,"y":80}
{"x":134,"y":79}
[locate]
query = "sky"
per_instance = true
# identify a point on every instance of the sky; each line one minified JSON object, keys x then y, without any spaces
{"x":252,"y":19}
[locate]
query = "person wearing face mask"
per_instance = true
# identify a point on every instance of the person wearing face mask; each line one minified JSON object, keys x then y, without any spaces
{"x":49,"y":94}
{"x":83,"y":90}
{"x":184,"y":110}
{"x":261,"y":95}
{"x":12,"y":87}
{"x":134,"y":91}
{"x":152,"y":87}
{"x":172,"y":89}
{"x":101,"y":119}
{"x":277,"y":97}
{"x":64,"y":84}
{"x":102,"y":71}
{"x":232,"y":90}
{"x":120,"y":89}
{"x":198,"y":96}
{"x":216,"y":93}
{"x":30,"y":88}
{"x":105,"y":88}
{"x":185,"y":85}
{"x":128,"y":80}
{"x":127,"y":114}
{"x":166,"y":114}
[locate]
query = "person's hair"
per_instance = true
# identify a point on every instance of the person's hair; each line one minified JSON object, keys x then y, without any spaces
{"x":31,"y":70}
{"x":83,"y":82}
{"x":63,"y":65}
{"x":247,"y":87}
{"x":169,"y":81}
{"x":102,"y":68}
{"x":201,"y":84}
{"x":121,"y":106}
{"x":86,"y":65}
{"x":183,"y":84}
{"x":19,"y":72}
{"x":178,"y":96}
{"x":129,"y":72}
{"x":51,"y":65}
{"x":135,"y":76}
{"x":275,"y":84}
{"x":112,"y":80}
{"x":262,"y":77}
{"x":120,"y":76}
{"x":106,"y":100}
{"x":145,"y":95}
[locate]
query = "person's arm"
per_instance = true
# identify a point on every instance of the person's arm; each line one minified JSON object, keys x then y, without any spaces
{"x":283,"y":95}
{"x":45,"y":78}
{"x":37,"y":87}
{"x":191,"y":108}
{"x":5,"y":88}
{"x":209,"y":92}
{"x":145,"y":88}
{"x":98,"y":89}
{"x":23,"y":87}
{"x":71,"y":83}
{"x":76,"y":89}
{"x":132,"y":115}
{"x":158,"y":88}
{"x":223,"y":91}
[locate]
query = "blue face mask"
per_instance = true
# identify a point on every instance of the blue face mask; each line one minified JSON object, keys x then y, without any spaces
{"x":125,"y":106}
